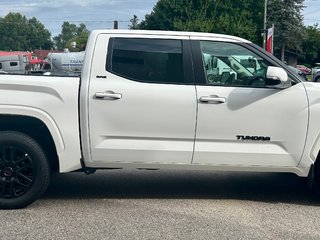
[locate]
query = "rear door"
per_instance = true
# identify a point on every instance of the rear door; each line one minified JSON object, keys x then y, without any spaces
{"x":142,"y":104}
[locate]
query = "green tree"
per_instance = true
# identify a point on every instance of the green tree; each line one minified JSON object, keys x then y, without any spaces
{"x":39,"y":36}
{"x":228,"y":17}
{"x":72,"y":33}
{"x":82,"y":37}
{"x":288,"y":20}
{"x":237,"y":18}
{"x":240,"y":18}
{"x":19,"y":33}
{"x":134,"y":22}
{"x":311,"y":45}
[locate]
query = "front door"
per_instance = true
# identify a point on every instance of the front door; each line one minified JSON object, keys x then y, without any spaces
{"x":241,"y":122}
{"x":142,"y":104}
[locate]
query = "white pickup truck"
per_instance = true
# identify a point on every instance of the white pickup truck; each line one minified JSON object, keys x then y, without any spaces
{"x":151,"y":100}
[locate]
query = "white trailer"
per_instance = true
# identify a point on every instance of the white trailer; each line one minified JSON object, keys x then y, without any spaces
{"x":14,"y":64}
{"x":66,"y":62}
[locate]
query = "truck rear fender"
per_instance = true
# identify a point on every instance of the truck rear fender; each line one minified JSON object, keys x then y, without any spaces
{"x":36,"y":122}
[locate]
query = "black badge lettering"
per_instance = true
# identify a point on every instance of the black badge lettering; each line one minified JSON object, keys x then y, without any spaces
{"x":253,"y":138}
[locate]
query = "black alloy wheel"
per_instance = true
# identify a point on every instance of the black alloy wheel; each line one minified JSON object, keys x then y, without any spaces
{"x":17,"y":172}
{"x":24,"y":170}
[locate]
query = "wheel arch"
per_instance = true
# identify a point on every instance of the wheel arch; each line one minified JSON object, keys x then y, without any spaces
{"x":39,"y":126}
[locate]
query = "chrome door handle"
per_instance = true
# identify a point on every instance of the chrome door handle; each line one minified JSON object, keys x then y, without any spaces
{"x":108,"y":95}
{"x":212,"y":99}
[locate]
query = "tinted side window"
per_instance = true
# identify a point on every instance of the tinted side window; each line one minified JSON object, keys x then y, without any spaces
{"x":0,"y":65}
{"x":229,"y":64}
{"x":12,"y":64}
{"x":146,"y":60}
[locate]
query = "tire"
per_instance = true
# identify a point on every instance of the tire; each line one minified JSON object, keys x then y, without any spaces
{"x":24,"y":170}
{"x":316,"y":174}
{"x":317,"y":79}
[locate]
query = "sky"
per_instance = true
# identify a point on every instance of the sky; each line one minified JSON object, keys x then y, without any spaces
{"x":95,"y":14}
{"x":100,"y":14}
{"x":311,"y":13}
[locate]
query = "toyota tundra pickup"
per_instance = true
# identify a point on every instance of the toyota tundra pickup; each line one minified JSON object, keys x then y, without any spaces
{"x":158,"y":100}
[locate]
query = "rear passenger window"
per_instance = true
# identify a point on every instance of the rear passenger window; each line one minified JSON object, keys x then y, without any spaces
{"x":146,"y":60}
{"x":12,"y":64}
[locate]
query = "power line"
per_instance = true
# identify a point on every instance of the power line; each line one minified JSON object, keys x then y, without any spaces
{"x":65,"y":20}
{"x":311,"y":19}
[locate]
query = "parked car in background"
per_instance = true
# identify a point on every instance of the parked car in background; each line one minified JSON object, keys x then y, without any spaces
{"x":304,"y":69}
{"x":299,"y":72}
{"x":315,"y":70}
{"x":316,"y":77}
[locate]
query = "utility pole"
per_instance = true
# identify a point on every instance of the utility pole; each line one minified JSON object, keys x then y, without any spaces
{"x":115,"y":24}
{"x":272,"y":39}
{"x":265,"y":23}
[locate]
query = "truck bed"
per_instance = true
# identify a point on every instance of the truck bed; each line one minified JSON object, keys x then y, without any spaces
{"x":53,"y":100}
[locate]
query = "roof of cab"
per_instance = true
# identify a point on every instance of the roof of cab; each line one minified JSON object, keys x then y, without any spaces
{"x":171,"y":33}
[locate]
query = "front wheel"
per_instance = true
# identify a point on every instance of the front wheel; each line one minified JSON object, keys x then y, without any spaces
{"x":24,"y":170}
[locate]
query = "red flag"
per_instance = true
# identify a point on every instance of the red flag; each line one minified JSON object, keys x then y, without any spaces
{"x":270,"y":41}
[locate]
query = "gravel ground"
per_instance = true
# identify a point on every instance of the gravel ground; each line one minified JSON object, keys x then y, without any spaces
{"x":133,"y":204}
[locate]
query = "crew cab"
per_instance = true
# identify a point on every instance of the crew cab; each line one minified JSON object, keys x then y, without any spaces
{"x":158,"y":100}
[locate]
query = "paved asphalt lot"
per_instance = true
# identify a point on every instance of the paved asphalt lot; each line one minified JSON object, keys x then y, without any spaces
{"x":123,"y":204}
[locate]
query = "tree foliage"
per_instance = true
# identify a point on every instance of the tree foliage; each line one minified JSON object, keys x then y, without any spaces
{"x":134,"y":22}
{"x":311,"y":45}
{"x":240,"y":18}
{"x":19,"y":33}
{"x":288,"y":21}
{"x":72,"y":33}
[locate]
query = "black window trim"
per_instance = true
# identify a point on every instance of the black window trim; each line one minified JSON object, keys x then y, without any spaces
{"x":200,"y":78}
{"x":186,"y":62}
{"x":198,"y":62}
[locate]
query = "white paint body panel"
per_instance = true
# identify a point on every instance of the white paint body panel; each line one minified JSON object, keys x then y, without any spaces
{"x":313,"y":135}
{"x":151,"y":123}
{"x":281,"y":115}
{"x":54,"y":101}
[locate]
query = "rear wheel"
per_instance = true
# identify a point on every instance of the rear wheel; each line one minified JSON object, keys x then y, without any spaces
{"x":24,"y":170}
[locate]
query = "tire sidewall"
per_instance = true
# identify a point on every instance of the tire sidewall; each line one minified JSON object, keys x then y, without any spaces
{"x":40,"y":165}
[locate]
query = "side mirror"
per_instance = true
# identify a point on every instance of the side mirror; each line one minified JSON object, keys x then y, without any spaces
{"x":276,"y":77}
